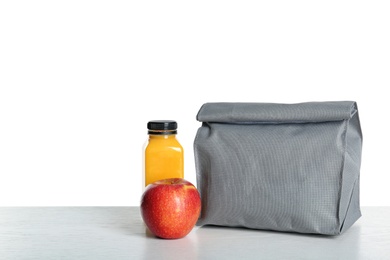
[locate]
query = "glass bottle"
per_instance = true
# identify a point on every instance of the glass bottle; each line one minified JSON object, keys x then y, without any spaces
{"x":164,"y":156}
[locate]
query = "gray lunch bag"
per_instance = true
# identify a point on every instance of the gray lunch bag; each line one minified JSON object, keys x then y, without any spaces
{"x":284,"y":167}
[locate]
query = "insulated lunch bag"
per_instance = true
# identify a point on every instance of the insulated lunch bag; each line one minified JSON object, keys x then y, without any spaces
{"x":282,"y":167}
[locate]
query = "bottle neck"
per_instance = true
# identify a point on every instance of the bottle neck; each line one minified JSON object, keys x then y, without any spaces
{"x":162,"y":132}
{"x":161,"y":136}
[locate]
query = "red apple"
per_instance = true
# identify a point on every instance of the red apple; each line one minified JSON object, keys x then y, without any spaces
{"x":170,"y":207}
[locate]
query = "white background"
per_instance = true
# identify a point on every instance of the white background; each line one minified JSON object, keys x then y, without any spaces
{"x":80,"y":79}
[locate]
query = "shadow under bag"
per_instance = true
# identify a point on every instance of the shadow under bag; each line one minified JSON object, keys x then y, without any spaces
{"x":284,"y":167}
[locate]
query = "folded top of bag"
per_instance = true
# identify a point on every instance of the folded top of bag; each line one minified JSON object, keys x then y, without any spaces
{"x":272,"y":112}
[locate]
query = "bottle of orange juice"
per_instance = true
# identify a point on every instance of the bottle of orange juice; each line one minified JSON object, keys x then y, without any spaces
{"x":164,"y":156}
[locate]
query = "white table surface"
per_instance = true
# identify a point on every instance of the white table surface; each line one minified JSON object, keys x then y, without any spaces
{"x":119,"y":233}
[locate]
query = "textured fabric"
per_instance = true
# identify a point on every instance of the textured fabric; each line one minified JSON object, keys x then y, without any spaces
{"x":284,"y":167}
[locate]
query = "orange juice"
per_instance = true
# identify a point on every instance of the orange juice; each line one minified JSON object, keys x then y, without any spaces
{"x":164,"y":156}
